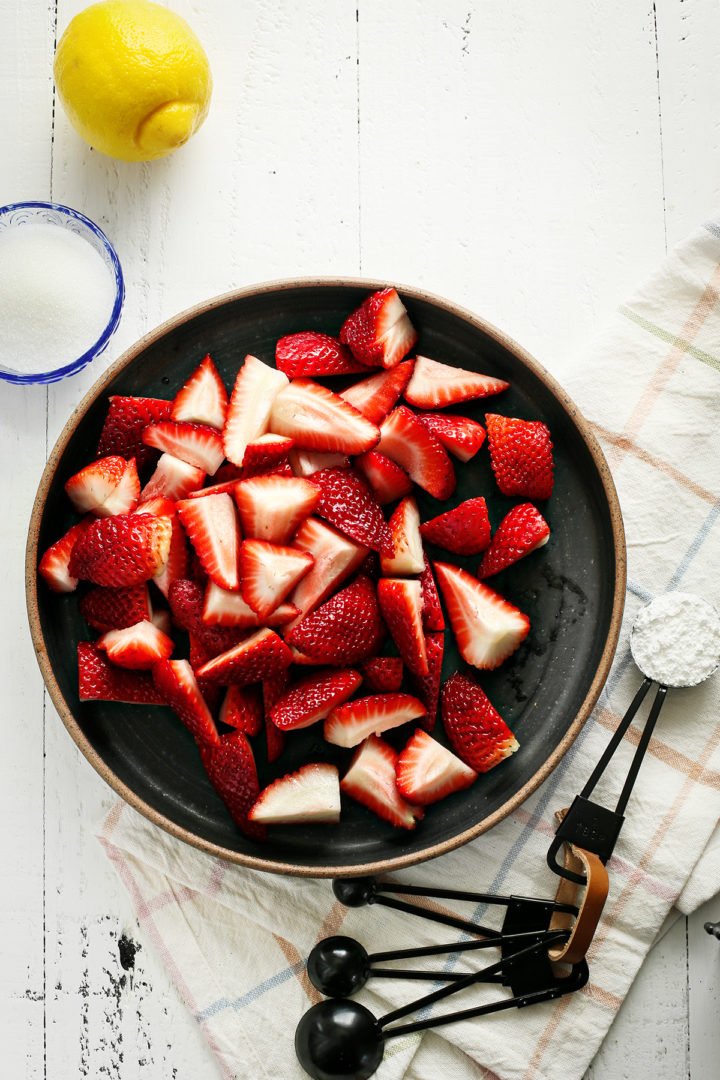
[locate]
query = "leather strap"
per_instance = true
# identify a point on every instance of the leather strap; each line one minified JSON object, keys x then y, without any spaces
{"x":590,"y":908}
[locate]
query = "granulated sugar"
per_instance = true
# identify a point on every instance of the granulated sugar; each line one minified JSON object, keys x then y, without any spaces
{"x":676,"y":639}
{"x":56,"y":297}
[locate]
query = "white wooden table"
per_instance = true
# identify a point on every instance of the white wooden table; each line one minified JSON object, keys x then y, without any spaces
{"x":531,"y":161}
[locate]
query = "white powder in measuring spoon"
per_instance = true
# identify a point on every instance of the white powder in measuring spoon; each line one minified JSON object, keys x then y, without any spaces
{"x":56,"y":297}
{"x":676,"y":639}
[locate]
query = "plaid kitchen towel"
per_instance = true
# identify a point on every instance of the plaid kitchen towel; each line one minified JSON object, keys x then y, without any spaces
{"x":235,"y":941}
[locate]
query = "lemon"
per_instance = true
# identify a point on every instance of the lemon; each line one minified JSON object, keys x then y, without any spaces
{"x":133,"y":79}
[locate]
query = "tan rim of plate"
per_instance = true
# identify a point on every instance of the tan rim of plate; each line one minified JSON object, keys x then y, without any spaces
{"x":384,"y":865}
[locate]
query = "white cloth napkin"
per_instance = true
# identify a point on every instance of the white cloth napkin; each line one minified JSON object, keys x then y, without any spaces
{"x":235,"y":941}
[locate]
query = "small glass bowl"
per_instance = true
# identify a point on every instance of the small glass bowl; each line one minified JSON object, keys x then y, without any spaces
{"x":15,"y":215}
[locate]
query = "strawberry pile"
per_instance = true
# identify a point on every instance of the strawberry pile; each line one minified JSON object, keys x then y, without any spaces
{"x":257,"y":562}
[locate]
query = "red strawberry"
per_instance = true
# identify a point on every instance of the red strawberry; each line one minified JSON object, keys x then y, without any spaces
{"x":318,"y":419}
{"x":346,"y":629}
{"x":432,"y":616}
{"x":312,"y":353}
{"x":312,"y":698}
{"x":460,"y":435}
{"x":203,"y":398}
{"x":250,"y":403}
{"x":230,"y":766}
{"x":265,"y":454}
{"x":477,"y":732}
{"x":375,"y":397}
{"x":379,"y":332}
{"x":426,"y":771}
{"x":402,"y":551}
{"x":370,"y":780}
{"x":196,"y":444}
{"x":382,"y":674}
{"x":225,"y":608}
{"x":139,"y":646}
{"x":312,"y":794}
{"x":434,"y":385}
{"x":521,"y":531}
{"x":521,"y":456}
{"x":336,"y":558}
{"x":100,"y":681}
{"x":158,"y":506}
{"x":306,"y":462}
{"x":186,"y":603}
{"x":242,"y":709}
{"x":349,"y":724}
{"x":123,"y":550}
{"x":257,"y":657}
{"x":416,"y":449}
{"x":272,"y":690}
{"x":370,"y":566}
{"x":347,"y":503}
{"x":464,"y":530}
{"x":91,"y":488}
{"x":114,"y":609}
{"x":178,"y":558}
{"x":268,"y":573}
{"x":53,"y":566}
{"x":202,"y":650}
{"x":272,"y":507}
{"x":126,"y":493}
{"x":228,"y":472}
{"x":172,"y":479}
{"x":127,"y":418}
{"x":427,"y":687}
{"x":212,"y":528}
{"x":401,"y":605}
{"x":387,"y":480}
{"x":175,"y":680}
{"x":227,"y":487}
{"x":487,"y":627}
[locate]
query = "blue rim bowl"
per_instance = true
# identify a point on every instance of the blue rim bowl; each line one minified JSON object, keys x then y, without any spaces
{"x":17,"y":214}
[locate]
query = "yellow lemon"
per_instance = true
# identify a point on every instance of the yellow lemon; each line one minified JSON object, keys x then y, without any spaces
{"x":133,"y":79}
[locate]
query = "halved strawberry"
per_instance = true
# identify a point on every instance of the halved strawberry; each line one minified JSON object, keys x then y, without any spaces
{"x":312,"y":353}
{"x":375,"y":397}
{"x":158,"y":506}
{"x":127,"y":418}
{"x":99,"y":680}
{"x":421,"y":455}
{"x":312,"y":794}
{"x":318,"y":419}
{"x":402,"y":551}
{"x":434,"y":385}
{"x":312,"y":698}
{"x":460,"y":435}
{"x":521,"y":456}
{"x":197,"y":444}
{"x":272,"y":690}
{"x":114,"y":609}
{"x":272,"y":507}
{"x":426,"y":771}
{"x":487,"y":627}
{"x":122,"y":550}
{"x":225,"y":608}
{"x":265,"y":454}
{"x":379,"y":332}
{"x":212,"y":528}
{"x":203,"y":398}
{"x":370,"y":780}
{"x":432,"y":616}
{"x":336,"y":558}
{"x":138,"y":646}
{"x":387,"y":480}
{"x":268,"y":572}
{"x":242,"y":709}
{"x":521,"y":531}
{"x":90,"y":488}
{"x":306,"y":462}
{"x":400,"y":601}
{"x":259,"y":656}
{"x":427,"y":687}
{"x":348,"y":503}
{"x":227,"y":487}
{"x":477,"y":732}
{"x":464,"y":530}
{"x":382,"y":674}
{"x":344,"y":630}
{"x":186,"y":600}
{"x":250,"y":403}
{"x":53,"y":566}
{"x":230,"y":766}
{"x":349,"y":724}
{"x":172,"y":479}
{"x":175,"y":680}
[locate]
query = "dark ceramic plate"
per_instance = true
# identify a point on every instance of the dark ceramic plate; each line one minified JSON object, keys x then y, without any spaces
{"x":572,"y":590}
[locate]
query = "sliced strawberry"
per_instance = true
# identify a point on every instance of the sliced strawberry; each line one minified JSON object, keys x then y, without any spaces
{"x":178,"y":559}
{"x":250,"y":404}
{"x":336,"y":558}
{"x":401,"y":605}
{"x":487,"y":627}
{"x":312,"y":698}
{"x":172,"y":479}
{"x":521,"y":531}
{"x":265,"y":454}
{"x":402,"y":551}
{"x":312,"y":353}
{"x":230,"y":766}
{"x":228,"y":472}
{"x":196,"y":444}
{"x":460,"y":435}
{"x":202,"y":650}
{"x":318,"y":419}
{"x":114,"y":609}
{"x":310,"y":795}
{"x":521,"y":456}
{"x":126,"y":419}
{"x":138,"y":646}
{"x":90,"y":488}
{"x":122,"y":550}
{"x":203,"y":398}
{"x":259,"y":656}
{"x":125,"y":495}
{"x":306,"y":462}
{"x":344,"y":630}
{"x":432,"y":616}
{"x":427,"y":772}
{"x":382,"y":674}
{"x":375,"y":397}
{"x":435,"y":385}
{"x":387,"y":480}
{"x":158,"y":506}
{"x":242,"y":709}
{"x":272,"y":690}
{"x":370,"y":780}
{"x":227,"y":487}
{"x":186,"y":600}
{"x":268,"y":572}
{"x":427,"y":687}
{"x":477,"y":732}
{"x":175,"y":680}
{"x":225,"y":608}
{"x":272,"y":507}
{"x":379,"y":332}
{"x":422,"y":456}
{"x":100,"y":681}
{"x":464,"y":530}
{"x":349,"y":724}
{"x":212,"y":528}
{"x":348,"y":503}
{"x":53,"y":566}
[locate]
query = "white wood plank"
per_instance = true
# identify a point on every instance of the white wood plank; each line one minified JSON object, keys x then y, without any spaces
{"x":704,"y":992}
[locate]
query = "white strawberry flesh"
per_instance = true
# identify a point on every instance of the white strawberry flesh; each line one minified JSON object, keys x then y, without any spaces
{"x":250,"y":403}
{"x":348,"y":724}
{"x":312,"y":794}
{"x":317,"y":419}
